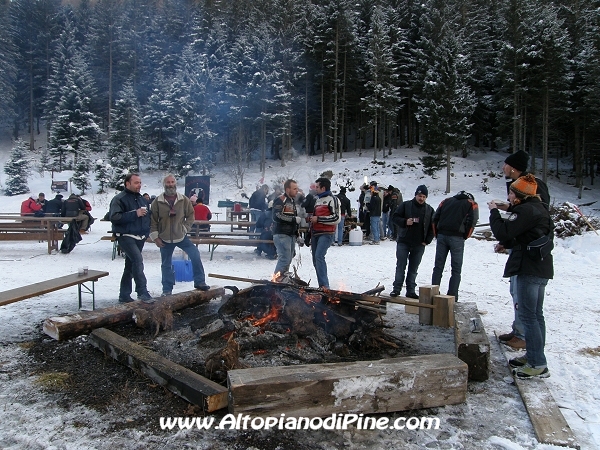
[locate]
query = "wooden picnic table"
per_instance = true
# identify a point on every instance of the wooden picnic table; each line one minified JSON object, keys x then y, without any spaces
{"x":31,"y":228}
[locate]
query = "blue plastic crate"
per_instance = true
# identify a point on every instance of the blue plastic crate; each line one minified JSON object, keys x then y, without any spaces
{"x":183,"y":270}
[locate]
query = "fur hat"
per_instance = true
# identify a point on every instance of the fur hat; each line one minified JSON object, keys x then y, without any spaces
{"x":422,"y":190}
{"x":524,"y":187}
{"x":518,"y":160}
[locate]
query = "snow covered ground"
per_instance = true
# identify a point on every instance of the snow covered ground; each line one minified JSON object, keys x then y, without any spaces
{"x":30,"y":420}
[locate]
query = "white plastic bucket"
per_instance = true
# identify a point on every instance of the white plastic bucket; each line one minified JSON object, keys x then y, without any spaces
{"x":355,"y":236}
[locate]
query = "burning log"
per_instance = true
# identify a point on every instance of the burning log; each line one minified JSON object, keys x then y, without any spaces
{"x":66,"y":327}
{"x":221,"y":361}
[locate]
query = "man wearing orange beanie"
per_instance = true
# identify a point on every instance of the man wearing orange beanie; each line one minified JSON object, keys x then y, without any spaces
{"x":529,"y":220}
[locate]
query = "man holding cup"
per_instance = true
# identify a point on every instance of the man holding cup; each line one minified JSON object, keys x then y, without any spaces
{"x":413,"y":223}
{"x":131,"y":226}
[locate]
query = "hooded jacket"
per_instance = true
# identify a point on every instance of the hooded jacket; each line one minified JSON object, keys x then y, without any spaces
{"x":456,"y":216}
{"x":527,"y":222}
{"x":171,"y":229}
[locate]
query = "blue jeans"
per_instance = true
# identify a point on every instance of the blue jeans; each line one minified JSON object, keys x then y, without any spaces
{"x":385,"y":220}
{"x":166,"y":255}
{"x":517,"y":327}
{"x":530,"y":291}
{"x":319,"y":244}
{"x":455,"y":245}
{"x":411,"y":253}
{"x":375,"y":228}
{"x":134,"y":266}
{"x":286,"y":249}
{"x":340,"y":230}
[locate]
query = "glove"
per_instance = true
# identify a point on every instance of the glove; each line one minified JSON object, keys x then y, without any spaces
{"x":298,"y":220}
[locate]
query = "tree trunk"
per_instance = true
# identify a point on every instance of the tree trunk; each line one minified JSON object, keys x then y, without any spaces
{"x":448,"y":170}
{"x":545,"y":118}
{"x":335,"y":97}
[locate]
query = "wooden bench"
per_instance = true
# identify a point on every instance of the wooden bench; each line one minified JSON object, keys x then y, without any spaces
{"x":54,"y":284}
{"x":213,"y":243}
{"x":18,"y":228}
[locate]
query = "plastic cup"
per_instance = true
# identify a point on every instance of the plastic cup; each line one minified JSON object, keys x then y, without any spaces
{"x":80,"y":271}
{"x":85,"y":270}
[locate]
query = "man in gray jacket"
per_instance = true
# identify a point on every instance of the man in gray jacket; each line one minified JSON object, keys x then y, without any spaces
{"x":172,"y":218}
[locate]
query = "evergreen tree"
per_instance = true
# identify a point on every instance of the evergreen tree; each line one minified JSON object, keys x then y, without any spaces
{"x":126,"y":133}
{"x":81,"y":177}
{"x":17,"y":169}
{"x":75,"y":126}
{"x":7,"y":62}
{"x":104,"y":173}
{"x":381,"y":103}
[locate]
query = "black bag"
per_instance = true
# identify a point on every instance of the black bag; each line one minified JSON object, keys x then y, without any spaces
{"x":541,"y":247}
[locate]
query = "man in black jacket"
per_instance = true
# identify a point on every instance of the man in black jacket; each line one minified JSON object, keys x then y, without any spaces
{"x":258,"y":204}
{"x":413,"y":221}
{"x":345,"y":211}
{"x":515,"y":166}
{"x":453,"y":224}
{"x":131,"y":226}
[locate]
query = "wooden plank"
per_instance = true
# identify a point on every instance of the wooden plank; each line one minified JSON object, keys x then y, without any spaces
{"x":549,"y":424}
{"x":395,"y":384}
{"x":187,"y":384}
{"x":44,"y":287}
{"x":426,"y":294}
{"x":66,"y":327}
{"x":472,"y":348}
{"x":443,"y":314}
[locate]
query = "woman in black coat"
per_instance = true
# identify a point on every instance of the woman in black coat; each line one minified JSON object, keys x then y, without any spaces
{"x":529,"y":220}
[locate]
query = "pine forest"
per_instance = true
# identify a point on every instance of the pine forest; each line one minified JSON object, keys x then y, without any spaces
{"x":182,"y":85}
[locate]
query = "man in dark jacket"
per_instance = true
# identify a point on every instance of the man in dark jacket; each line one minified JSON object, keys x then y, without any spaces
{"x":453,"y":224}
{"x":413,"y":221}
{"x":74,"y":207}
{"x":131,"y":226}
{"x":515,"y":166}
{"x":258,"y":203}
{"x":54,"y":206}
{"x":345,"y":211}
{"x":375,"y":215}
{"x":529,"y":220}
{"x":285,"y":227}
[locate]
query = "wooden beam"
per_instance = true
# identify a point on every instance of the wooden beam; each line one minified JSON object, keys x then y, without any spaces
{"x":443,"y":314}
{"x":549,"y":424}
{"x":190,"y":386}
{"x":426,"y":294}
{"x":66,"y":327}
{"x":472,"y":348}
{"x":395,"y":384}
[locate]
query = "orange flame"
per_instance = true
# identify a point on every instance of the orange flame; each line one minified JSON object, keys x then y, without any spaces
{"x":272,"y":316}
{"x":259,"y":352}
{"x":275,"y":276}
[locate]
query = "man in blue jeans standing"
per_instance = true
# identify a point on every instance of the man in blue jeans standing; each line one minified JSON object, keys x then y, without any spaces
{"x":285,"y":228}
{"x":172,"y":218}
{"x":131,"y":226}
{"x":453,"y":224}
{"x":413,"y":221}
{"x":323,"y":224}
